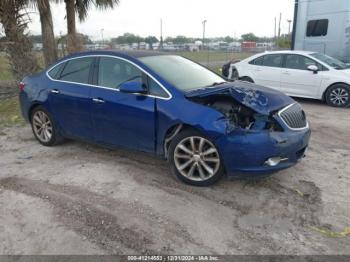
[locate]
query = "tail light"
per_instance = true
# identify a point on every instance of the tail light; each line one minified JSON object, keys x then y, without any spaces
{"x":21,"y":86}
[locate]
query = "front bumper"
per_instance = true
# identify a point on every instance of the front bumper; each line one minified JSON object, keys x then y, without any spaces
{"x":245,"y":153}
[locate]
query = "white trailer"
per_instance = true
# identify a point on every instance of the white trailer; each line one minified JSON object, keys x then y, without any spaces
{"x":323,"y":26}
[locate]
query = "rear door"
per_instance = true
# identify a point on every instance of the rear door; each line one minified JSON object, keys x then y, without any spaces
{"x":70,"y":96}
{"x":121,"y":119}
{"x":267,"y":70}
{"x":297,"y":80}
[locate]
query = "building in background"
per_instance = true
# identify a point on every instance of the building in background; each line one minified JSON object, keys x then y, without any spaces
{"x":323,"y":26}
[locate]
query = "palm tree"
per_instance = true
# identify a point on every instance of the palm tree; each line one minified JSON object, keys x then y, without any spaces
{"x":14,"y":19}
{"x":47,"y":33}
{"x":81,"y":7}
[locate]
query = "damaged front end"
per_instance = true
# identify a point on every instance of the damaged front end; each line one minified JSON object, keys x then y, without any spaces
{"x":238,"y":115}
{"x":244,"y":105}
{"x":265,"y":130}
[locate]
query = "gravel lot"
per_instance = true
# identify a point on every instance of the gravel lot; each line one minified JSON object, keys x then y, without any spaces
{"x":78,"y":198}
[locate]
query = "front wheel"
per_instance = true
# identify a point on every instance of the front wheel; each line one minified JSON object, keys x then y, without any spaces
{"x":338,"y":95}
{"x":194,"y":159}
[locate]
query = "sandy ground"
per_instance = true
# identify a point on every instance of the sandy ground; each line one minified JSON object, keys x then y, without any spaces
{"x":78,"y":198}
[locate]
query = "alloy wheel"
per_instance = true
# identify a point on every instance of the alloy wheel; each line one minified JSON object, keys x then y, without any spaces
{"x":196,"y":158}
{"x":42,"y":126}
{"x":339,"y":96}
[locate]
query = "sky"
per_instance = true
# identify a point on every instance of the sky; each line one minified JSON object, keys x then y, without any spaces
{"x":180,"y":17}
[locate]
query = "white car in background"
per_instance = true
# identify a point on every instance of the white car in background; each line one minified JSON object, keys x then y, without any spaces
{"x":297,"y":74}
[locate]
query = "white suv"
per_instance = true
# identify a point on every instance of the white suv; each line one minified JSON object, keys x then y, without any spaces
{"x":299,"y":74}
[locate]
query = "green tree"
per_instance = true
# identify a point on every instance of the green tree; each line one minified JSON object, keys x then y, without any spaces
{"x":180,"y":39}
{"x":284,"y":42}
{"x":47,"y":33}
{"x":81,"y":7}
{"x":250,"y":37}
{"x":13,"y":19}
{"x":128,"y":38}
{"x":228,"y":39}
{"x":151,"y":40}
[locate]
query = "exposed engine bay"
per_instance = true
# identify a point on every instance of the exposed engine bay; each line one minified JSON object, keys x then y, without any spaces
{"x":239,"y":116}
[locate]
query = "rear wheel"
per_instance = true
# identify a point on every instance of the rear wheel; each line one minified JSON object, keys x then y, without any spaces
{"x":194,"y":159}
{"x":44,"y":128}
{"x":338,"y":95}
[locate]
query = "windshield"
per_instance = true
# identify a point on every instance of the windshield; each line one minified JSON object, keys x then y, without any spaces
{"x":181,"y":72}
{"x":335,"y":63}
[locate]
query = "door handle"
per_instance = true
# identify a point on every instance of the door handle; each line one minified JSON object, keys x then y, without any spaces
{"x":55,"y":91}
{"x":98,"y":100}
{"x":285,"y":73}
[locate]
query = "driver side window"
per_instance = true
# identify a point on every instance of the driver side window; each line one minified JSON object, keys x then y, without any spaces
{"x":113,"y":71}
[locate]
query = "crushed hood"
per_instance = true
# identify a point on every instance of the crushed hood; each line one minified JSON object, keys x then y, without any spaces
{"x":261,"y":99}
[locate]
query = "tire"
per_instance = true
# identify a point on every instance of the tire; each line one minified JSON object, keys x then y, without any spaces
{"x":235,"y":75}
{"x":198,"y":169}
{"x":338,"y":95}
{"x":247,"y":79}
{"x":44,"y":127}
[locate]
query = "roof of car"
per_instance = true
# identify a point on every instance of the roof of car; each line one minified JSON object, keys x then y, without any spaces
{"x":130,"y":53}
{"x":290,"y":52}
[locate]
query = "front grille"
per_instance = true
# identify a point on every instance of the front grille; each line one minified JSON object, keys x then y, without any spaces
{"x":293,"y":116}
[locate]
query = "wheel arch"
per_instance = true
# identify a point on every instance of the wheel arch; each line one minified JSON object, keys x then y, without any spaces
{"x":172,"y":132}
{"x":31,"y":108}
{"x":330,"y":86}
{"x":246,"y":76}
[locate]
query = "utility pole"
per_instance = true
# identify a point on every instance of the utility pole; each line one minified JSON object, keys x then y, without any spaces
{"x":289,"y":23}
{"x":203,"y":22}
{"x":161,"y":34}
{"x":275,"y":30}
{"x":102,"y":35}
{"x":279,"y":26}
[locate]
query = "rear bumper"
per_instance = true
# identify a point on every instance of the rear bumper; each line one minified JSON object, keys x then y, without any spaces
{"x":245,"y":153}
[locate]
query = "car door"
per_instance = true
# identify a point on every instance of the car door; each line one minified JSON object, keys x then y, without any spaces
{"x":297,"y":80}
{"x":121,"y":119}
{"x":69,"y":97}
{"x":267,"y":70}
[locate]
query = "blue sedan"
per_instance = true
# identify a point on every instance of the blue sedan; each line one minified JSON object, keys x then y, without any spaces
{"x":169,"y":106}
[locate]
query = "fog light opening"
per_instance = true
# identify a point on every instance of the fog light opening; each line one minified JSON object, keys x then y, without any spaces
{"x":273,"y":161}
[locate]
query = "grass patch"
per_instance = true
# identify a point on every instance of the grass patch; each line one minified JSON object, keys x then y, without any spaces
{"x":5,"y":71}
{"x":10,"y":113}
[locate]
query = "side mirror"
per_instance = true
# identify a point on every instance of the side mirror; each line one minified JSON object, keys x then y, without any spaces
{"x":313,"y":68}
{"x":132,"y":87}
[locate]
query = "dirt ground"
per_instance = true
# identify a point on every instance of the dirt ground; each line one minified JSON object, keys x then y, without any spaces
{"x":78,"y":198}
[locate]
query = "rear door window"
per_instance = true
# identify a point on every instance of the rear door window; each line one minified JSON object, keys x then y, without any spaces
{"x":257,"y":61}
{"x":273,"y":60}
{"x":77,"y":70}
{"x":54,"y":72}
{"x":268,"y":60}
